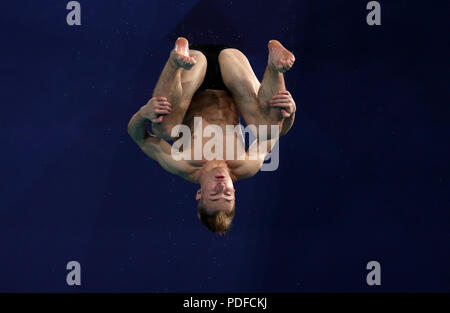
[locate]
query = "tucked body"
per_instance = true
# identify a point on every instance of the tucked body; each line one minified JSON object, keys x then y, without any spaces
{"x":183,"y":96}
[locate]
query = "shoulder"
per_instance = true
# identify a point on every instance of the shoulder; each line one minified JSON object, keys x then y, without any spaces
{"x":245,"y":168}
{"x":190,"y":173}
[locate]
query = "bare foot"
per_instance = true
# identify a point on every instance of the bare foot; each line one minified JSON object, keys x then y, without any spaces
{"x":281,"y":58}
{"x":180,"y":54}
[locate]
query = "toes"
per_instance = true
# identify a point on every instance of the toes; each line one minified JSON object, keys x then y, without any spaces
{"x":186,"y":60}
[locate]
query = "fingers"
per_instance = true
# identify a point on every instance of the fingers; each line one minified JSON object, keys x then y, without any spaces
{"x":285,"y":106}
{"x":283,"y":93}
{"x":158,"y":119}
{"x":285,"y":113}
{"x":163,"y":101}
{"x":162,"y":106}
{"x":162,"y":111}
{"x":280,"y":101}
{"x":283,"y":100}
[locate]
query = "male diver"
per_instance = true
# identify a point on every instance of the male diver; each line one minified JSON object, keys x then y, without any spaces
{"x":216,"y":83}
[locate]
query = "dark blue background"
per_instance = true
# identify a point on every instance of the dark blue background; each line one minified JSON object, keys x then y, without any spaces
{"x":364,"y":172}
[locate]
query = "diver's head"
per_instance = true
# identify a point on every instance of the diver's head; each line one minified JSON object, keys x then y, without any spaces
{"x":216,"y":200}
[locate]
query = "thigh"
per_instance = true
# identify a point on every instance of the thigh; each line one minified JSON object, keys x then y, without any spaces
{"x":182,"y":90}
{"x":242,"y":82}
{"x":237,"y":73}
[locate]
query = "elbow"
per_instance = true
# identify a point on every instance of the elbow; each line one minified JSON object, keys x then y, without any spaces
{"x":162,"y":131}
{"x":130,"y":128}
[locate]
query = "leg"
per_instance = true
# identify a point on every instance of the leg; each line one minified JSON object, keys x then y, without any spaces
{"x":250,"y":96}
{"x":279,"y":61}
{"x":181,"y":77}
{"x":239,"y":78}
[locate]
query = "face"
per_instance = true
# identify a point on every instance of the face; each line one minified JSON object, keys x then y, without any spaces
{"x":217,"y":190}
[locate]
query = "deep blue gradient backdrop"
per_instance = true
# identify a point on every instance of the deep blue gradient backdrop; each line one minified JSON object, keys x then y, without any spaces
{"x":364,"y":172}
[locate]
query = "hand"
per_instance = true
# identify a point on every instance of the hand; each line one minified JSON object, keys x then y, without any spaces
{"x":284,"y":101}
{"x":155,"y":109}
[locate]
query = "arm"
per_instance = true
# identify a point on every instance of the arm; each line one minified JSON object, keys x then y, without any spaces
{"x":286,"y":105}
{"x":254,"y":158}
{"x":280,"y":110}
{"x":156,"y":148}
{"x":287,"y":124}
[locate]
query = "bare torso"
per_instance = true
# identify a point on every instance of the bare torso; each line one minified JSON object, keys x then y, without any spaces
{"x":215,"y":107}
{"x":176,"y":100}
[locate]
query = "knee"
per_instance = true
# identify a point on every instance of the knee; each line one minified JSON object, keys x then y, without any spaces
{"x":231,"y":53}
{"x":237,"y":73}
{"x":234,"y":66}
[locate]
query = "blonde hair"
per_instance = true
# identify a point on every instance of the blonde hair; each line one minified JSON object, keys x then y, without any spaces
{"x":218,"y":222}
